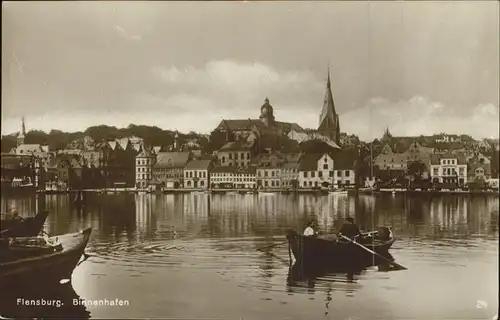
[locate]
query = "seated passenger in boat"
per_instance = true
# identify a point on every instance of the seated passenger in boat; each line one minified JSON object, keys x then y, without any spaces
{"x":350,"y":229}
{"x":309,"y":231}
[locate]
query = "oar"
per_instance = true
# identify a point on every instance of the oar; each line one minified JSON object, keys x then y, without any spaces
{"x":374,"y":253}
{"x":271,"y":246}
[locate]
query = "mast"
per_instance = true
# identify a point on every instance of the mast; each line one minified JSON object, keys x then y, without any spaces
{"x":371,"y":160}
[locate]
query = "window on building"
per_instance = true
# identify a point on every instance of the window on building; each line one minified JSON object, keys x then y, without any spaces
{"x":265,"y":173}
{"x":305,"y":183}
{"x":265,"y":183}
{"x":331,"y":173}
{"x":320,"y":174}
{"x":316,"y":183}
{"x":313,"y":174}
{"x":347,"y":172}
{"x":230,"y":156}
{"x":339,"y":173}
{"x":310,"y":184}
{"x":325,"y":166}
{"x":305,"y":174}
{"x":248,"y":156}
{"x":235,"y":156}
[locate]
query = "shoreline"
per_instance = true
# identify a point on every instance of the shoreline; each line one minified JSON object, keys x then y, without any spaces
{"x":265,"y":191}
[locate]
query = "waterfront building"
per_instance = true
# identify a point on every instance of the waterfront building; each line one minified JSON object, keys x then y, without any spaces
{"x":222,"y":177}
{"x":168,"y":169}
{"x":144,"y":163}
{"x":235,"y":154}
{"x":197,"y":174}
{"x":244,"y":178}
{"x":269,"y":176}
{"x":316,"y":170}
{"x":448,"y":168}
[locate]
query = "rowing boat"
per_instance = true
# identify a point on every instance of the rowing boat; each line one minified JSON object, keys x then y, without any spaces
{"x":23,"y":261}
{"x":326,"y":253}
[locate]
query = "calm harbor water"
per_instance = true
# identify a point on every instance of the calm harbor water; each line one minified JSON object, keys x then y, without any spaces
{"x":194,"y":256}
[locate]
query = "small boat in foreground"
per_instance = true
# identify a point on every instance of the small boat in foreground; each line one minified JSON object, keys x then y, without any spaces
{"x":38,"y":259}
{"x":23,"y":227}
{"x":321,"y":252}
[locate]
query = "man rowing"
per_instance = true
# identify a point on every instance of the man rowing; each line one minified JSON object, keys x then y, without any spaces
{"x":350,"y":229}
{"x":309,"y":231}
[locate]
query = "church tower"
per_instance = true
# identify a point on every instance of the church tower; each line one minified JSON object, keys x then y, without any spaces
{"x":22,"y":134}
{"x":266,"y":114}
{"x":329,"y":124}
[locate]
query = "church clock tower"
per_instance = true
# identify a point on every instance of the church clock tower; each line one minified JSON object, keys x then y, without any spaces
{"x":266,"y":114}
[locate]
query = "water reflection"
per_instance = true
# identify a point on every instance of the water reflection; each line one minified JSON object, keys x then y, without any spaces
{"x":187,"y":235}
{"x":55,"y":301}
{"x":147,"y":217}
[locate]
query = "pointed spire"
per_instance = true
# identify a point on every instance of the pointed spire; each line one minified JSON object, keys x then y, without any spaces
{"x":23,"y":128}
{"x":328,"y":83}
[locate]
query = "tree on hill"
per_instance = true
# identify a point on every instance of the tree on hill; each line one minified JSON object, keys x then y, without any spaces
{"x":57,"y":139}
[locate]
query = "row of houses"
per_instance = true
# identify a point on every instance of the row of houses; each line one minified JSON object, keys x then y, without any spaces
{"x":456,"y":166}
{"x":268,"y":171}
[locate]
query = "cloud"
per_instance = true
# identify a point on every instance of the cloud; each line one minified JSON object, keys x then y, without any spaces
{"x":420,"y":115}
{"x":230,"y":87}
{"x":198,"y":98}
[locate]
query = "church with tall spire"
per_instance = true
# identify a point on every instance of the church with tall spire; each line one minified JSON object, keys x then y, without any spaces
{"x":329,"y":124}
{"x":22,"y":133}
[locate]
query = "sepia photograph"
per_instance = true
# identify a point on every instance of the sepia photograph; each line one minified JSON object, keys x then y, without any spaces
{"x":250,"y":160}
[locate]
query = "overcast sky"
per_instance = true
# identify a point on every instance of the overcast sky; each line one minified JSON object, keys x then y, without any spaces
{"x":416,"y":67}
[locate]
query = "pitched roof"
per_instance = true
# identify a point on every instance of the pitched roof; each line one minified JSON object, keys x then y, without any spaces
{"x":156,"y":149}
{"x":436,"y":157}
{"x":471,"y":168}
{"x":236,"y":146}
{"x":28,"y":148}
{"x":171,"y":159}
{"x":145,"y":154}
{"x":224,"y":169}
{"x":72,"y":159}
{"x":287,"y":126}
{"x":248,"y":124}
{"x":197,"y":165}
{"x":137,"y":147}
{"x":291,"y":165}
{"x":309,"y":161}
{"x":241,"y":124}
{"x":112,"y":144}
{"x":123,"y":142}
{"x":344,"y":160}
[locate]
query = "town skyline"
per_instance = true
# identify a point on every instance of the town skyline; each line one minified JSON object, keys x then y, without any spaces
{"x":100,"y":63}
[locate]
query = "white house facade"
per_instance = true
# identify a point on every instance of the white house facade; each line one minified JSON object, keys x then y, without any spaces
{"x":316,"y":170}
{"x":448,"y":168}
